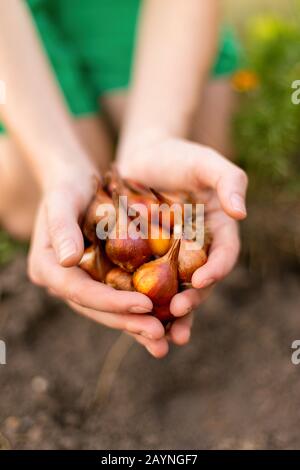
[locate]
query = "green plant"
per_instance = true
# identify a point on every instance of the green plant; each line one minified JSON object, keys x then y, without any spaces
{"x":8,"y":247}
{"x":267,"y":126}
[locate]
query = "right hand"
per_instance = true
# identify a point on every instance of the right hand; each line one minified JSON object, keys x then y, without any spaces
{"x":57,"y":246}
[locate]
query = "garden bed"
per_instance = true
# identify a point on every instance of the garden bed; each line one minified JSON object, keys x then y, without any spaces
{"x":233,"y":386}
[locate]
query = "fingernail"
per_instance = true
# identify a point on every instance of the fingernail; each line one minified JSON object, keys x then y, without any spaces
{"x":149,"y":350}
{"x":187,"y":336}
{"x":184,"y":337}
{"x":206,"y":283}
{"x":66,"y":249}
{"x":238,"y":204}
{"x":146,"y":334}
{"x":186,"y":312}
{"x":138,"y":309}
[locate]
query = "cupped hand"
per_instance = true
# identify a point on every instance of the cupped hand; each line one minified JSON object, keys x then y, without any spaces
{"x":57,"y":246}
{"x":173,"y":164}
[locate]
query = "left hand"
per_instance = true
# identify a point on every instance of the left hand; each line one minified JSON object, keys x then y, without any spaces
{"x":169,"y":164}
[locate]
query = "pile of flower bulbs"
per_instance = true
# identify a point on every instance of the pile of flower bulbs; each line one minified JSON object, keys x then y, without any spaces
{"x":158,"y":265}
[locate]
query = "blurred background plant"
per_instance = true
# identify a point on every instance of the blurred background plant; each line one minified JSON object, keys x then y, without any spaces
{"x":266,"y":131}
{"x":267,"y":125}
{"x":9,"y":247}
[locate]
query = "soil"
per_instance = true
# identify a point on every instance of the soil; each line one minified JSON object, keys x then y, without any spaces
{"x":233,"y":386}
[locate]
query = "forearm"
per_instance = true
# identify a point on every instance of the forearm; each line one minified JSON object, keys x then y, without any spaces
{"x":176,"y":47}
{"x":35,"y":113}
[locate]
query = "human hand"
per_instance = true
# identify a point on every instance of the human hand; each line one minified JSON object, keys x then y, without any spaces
{"x":172,"y":164}
{"x":56,"y":248}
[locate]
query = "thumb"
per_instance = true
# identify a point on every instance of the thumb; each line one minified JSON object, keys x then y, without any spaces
{"x":229,"y":181}
{"x":204,"y":167}
{"x":64,"y":232}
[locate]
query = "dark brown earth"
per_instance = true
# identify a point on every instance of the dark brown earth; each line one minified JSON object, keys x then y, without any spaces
{"x":233,"y":386}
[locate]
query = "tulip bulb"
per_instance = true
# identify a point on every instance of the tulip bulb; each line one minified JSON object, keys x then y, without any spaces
{"x":161,"y":244}
{"x":128,"y":253}
{"x":135,"y":192}
{"x":158,"y":279}
{"x":93,"y":216}
{"x":190,"y":259}
{"x":119,"y":279}
{"x":95,"y":263}
{"x":177,"y":211}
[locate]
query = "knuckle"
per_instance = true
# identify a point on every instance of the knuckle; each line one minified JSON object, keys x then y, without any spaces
{"x":57,"y":226}
{"x":75,"y":293}
{"x":128,"y":326}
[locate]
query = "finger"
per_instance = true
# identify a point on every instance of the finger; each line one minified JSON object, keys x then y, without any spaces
{"x":180,"y":331}
{"x":222,"y":256}
{"x":145,"y":325}
{"x":157,"y":349}
{"x":230,"y":181}
{"x":186,"y":301}
{"x":65,"y":234}
{"x":80,"y":288}
{"x":76,"y":285}
{"x":73,"y":283}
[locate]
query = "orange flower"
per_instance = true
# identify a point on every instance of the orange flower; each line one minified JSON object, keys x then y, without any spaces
{"x":244,"y":80}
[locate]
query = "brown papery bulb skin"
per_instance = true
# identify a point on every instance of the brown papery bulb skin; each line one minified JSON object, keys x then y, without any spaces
{"x":189,"y":260}
{"x":139,"y":194}
{"x":144,"y":199}
{"x":119,"y":279}
{"x":114,"y":182}
{"x":95,"y":263}
{"x":161,"y":245}
{"x":169,"y":202}
{"x":158,"y":279}
{"x":135,"y":192}
{"x":127,"y":253}
{"x":92,"y":217}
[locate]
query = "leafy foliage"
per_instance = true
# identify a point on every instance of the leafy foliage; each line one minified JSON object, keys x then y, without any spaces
{"x":267,"y":127}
